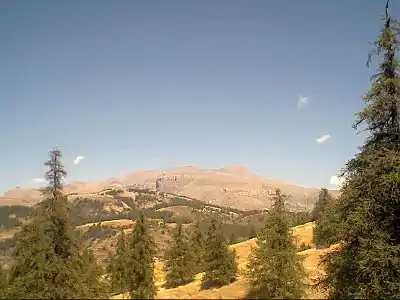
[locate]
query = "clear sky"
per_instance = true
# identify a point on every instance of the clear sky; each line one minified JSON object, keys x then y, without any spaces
{"x":133,"y":85}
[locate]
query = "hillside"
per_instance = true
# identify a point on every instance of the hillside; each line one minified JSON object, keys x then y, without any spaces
{"x":99,"y":217}
{"x":100,"y":210}
{"x":233,"y":186}
{"x":237,"y":289}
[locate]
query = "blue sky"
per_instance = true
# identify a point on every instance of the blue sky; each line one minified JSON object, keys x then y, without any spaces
{"x":133,"y":85}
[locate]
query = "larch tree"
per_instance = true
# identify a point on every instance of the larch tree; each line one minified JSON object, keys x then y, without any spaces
{"x":118,"y":265}
{"x":92,"y":274}
{"x":47,"y":259}
{"x":326,"y":227}
{"x":367,"y":263}
{"x":220,"y":264}
{"x":324,"y":200}
{"x":140,"y":261}
{"x":275,"y":270}
{"x":179,"y":265}
{"x":197,"y":242}
{"x":324,"y":232}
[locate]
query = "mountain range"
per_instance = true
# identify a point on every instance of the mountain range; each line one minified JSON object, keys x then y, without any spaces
{"x":232,"y":186}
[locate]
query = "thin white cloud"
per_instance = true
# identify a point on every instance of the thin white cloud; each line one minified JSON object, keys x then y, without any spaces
{"x":335,"y":180}
{"x":78,"y":159}
{"x":323,"y":138}
{"x":302,"y":101}
{"x":39,"y":180}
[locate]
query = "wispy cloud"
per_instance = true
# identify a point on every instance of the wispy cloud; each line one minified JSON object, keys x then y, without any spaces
{"x":323,"y":138}
{"x":302,"y":101}
{"x":39,"y":180}
{"x":335,"y":180}
{"x":78,"y":159}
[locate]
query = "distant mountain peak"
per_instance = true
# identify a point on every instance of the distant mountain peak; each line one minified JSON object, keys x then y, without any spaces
{"x":232,"y":185}
{"x":235,"y":169}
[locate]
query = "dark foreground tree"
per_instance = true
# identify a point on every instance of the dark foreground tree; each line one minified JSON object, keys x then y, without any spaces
{"x":197,"y":242}
{"x":47,"y":259}
{"x":179,"y":265}
{"x":275,"y":270}
{"x":367,"y":263}
{"x":324,"y":200}
{"x":140,"y":261}
{"x":219,"y":261}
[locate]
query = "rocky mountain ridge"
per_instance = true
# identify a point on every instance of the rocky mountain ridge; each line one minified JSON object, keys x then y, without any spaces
{"x":232,"y":186}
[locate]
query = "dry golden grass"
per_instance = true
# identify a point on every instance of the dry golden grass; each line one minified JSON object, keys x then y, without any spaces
{"x":237,"y":290}
{"x":112,"y":223}
{"x":6,"y":233}
{"x":303,"y":234}
{"x":177,"y":209}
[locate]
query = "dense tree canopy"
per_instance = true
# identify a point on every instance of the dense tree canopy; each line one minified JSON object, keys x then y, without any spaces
{"x":367,"y":264}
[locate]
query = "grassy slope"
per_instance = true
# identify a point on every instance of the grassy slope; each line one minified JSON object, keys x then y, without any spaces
{"x":236,"y":290}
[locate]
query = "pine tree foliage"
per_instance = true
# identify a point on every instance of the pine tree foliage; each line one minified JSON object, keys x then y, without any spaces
{"x":367,"y":264}
{"x":220,"y":264}
{"x":197,"y":244}
{"x":117,"y":266}
{"x":324,"y":215}
{"x":274,"y":269}
{"x":47,"y":260}
{"x":92,"y":274}
{"x":326,"y":227}
{"x":179,"y":265}
{"x":140,"y":261}
{"x":324,"y":200}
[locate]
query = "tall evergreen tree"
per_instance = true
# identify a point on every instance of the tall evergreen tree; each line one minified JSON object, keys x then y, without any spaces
{"x":47,"y":260}
{"x":179,"y":261}
{"x":220,"y":264}
{"x":367,"y":263}
{"x":324,"y":200}
{"x":140,"y":261}
{"x":275,"y":269}
{"x":324,"y":233}
{"x":197,"y":243}
{"x":92,"y":274}
{"x":325,"y":230}
{"x":118,"y":265}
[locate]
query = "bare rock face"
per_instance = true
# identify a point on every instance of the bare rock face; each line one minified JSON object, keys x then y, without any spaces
{"x":233,"y":186}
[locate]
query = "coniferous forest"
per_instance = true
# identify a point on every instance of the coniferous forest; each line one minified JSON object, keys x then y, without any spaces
{"x":49,"y":259}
